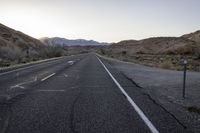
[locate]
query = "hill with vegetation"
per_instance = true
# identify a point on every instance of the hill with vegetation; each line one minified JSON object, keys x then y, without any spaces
{"x":17,"y":47}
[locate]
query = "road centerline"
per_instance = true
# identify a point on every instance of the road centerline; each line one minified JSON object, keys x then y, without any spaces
{"x":71,"y":62}
{"x":133,"y":104}
{"x":51,"y":90}
{"x":47,"y":77}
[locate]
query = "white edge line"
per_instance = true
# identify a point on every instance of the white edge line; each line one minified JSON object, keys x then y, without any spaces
{"x":137,"y":109}
{"x":48,"y":77}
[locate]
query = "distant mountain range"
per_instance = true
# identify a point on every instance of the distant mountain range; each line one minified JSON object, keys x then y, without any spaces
{"x":12,"y":40}
{"x":68,"y":42}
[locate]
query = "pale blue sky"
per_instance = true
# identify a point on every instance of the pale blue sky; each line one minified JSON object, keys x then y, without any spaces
{"x":101,"y":20}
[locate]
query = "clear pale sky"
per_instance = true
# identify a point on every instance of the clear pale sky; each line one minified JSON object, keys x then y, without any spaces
{"x":101,"y":20}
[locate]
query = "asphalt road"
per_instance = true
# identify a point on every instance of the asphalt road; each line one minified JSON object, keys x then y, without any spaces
{"x":78,"y":94}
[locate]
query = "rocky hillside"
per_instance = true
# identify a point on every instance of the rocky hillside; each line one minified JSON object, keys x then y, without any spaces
{"x":186,"y":44}
{"x":195,"y":36}
{"x":15,"y":44}
{"x":17,"y":47}
{"x":162,"y":52}
{"x":68,"y":42}
{"x":12,"y":38}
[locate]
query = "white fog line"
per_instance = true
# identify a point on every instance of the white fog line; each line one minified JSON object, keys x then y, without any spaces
{"x":137,"y":109}
{"x":48,"y":77}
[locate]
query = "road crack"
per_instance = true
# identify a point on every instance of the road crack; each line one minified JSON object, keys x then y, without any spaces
{"x":72,"y":124}
{"x":155,"y":102}
{"x":5,"y":117}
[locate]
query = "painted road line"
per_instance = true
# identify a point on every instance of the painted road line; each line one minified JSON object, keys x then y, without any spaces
{"x":71,"y":62}
{"x":20,"y":85}
{"x":48,"y":77}
{"x":65,"y":75}
{"x":51,"y":90}
{"x":34,"y":64}
{"x":137,"y":109}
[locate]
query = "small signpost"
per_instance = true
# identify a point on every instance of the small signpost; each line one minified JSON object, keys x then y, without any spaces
{"x":184,"y":76}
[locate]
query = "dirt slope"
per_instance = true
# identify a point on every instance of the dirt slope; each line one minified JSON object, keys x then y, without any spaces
{"x":10,"y":37}
{"x":17,"y":47}
{"x":195,"y":36}
{"x":186,"y":44}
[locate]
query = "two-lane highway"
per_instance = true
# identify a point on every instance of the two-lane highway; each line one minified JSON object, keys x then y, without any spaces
{"x":79,"y":94}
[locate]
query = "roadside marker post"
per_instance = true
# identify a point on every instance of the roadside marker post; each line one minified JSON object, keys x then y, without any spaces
{"x":184,"y":76}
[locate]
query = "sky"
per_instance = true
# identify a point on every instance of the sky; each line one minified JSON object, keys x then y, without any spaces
{"x":101,"y":20}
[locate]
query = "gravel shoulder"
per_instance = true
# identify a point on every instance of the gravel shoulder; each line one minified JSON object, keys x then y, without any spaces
{"x":165,"y":88}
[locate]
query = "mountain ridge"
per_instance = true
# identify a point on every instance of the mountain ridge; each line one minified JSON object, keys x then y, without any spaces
{"x":185,"y":44}
{"x":71,"y":42}
{"x":17,"y":47}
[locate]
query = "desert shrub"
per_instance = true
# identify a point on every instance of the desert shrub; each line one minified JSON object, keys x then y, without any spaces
{"x":194,"y":109}
{"x":197,"y":53}
{"x":12,"y":54}
{"x":166,"y":65}
{"x":33,"y":53}
{"x":140,"y":52}
{"x":124,"y":52}
{"x":198,"y":56}
{"x":170,"y":52}
{"x":51,"y":51}
{"x":4,"y":63}
{"x":102,"y":51}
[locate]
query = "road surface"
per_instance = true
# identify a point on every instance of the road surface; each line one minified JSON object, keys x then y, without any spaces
{"x":78,"y":94}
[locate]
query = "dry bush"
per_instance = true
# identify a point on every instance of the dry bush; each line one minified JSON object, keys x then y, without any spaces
{"x":194,"y":109}
{"x":124,"y":52}
{"x":11,"y":53}
{"x":102,"y":51}
{"x":166,"y":65}
{"x":51,"y":51}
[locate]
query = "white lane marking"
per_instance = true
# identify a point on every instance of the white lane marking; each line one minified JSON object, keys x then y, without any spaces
{"x":65,"y":75}
{"x":23,"y":83}
{"x":48,"y":77}
{"x":40,"y":63}
{"x":70,"y":88}
{"x":51,"y":90}
{"x":33,"y":65}
{"x":17,"y":86}
{"x":137,"y":109}
{"x":71,"y":62}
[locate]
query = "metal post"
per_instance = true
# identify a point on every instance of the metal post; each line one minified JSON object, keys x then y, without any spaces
{"x":184,"y":76}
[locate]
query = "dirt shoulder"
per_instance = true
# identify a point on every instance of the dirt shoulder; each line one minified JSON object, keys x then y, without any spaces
{"x":165,"y":88}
